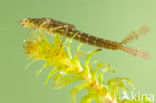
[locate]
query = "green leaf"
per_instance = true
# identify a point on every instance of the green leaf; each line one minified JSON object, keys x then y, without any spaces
{"x":100,"y":65}
{"x":129,"y":81}
{"x":64,"y":81}
{"x":87,"y":99}
{"x":89,"y":57}
{"x":53,"y":71}
{"x":78,"y":47}
{"x":68,"y":47}
{"x":75,"y":90}
{"x":57,"y":40}
{"x":28,"y":65}
{"x":119,"y":83}
{"x":40,"y":70}
{"x":58,"y":76}
{"x":35,"y":36}
{"x":78,"y":52}
{"x":105,"y":68}
{"x":100,"y":78}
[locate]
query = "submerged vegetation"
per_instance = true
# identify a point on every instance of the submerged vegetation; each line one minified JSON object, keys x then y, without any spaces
{"x":67,"y":68}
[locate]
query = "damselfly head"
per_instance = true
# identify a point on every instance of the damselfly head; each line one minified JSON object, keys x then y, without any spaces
{"x":25,"y":22}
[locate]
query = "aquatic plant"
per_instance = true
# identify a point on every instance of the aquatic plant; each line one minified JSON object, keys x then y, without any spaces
{"x":67,"y":68}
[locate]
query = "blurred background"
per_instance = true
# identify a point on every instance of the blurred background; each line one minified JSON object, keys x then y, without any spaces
{"x":109,"y":19}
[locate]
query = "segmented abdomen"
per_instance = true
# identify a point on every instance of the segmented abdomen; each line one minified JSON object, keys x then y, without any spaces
{"x":89,"y":39}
